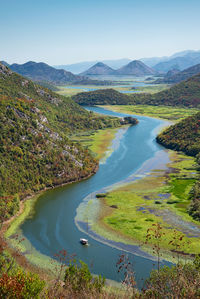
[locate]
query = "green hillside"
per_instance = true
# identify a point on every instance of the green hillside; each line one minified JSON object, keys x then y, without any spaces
{"x":102,"y":97}
{"x":185,"y":136}
{"x":35,"y":147}
{"x":186,"y":93}
{"x":183,"y":94}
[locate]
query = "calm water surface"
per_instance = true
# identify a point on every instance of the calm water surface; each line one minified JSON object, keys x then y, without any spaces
{"x":52,"y":228}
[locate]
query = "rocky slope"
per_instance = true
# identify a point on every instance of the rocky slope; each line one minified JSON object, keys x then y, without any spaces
{"x":35,"y":147}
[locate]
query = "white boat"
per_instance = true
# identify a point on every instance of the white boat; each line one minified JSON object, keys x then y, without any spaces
{"x":84,"y":241}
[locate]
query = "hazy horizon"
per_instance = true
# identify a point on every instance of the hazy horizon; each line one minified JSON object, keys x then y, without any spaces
{"x":63,"y":32}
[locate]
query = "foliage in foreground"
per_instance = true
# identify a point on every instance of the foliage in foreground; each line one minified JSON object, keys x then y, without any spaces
{"x":178,"y":281}
{"x":80,"y":279}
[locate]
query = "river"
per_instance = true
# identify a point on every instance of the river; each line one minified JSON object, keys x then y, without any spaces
{"x":53,"y":227}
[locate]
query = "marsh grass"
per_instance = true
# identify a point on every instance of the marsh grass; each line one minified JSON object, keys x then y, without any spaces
{"x":137,"y":204}
{"x":164,"y":112}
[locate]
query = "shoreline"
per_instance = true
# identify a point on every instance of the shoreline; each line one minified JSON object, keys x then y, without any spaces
{"x":12,"y":225}
{"x":23,"y":208}
{"x":103,"y":228}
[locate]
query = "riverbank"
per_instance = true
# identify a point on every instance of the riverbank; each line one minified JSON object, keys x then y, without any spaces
{"x":160,"y":197}
{"x":11,"y":228}
{"x":52,"y":227}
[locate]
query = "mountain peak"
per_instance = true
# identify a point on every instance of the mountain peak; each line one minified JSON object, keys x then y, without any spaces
{"x":99,"y":68}
{"x":136,"y":68}
{"x":100,"y":64}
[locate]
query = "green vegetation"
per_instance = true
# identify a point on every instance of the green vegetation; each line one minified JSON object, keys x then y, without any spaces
{"x":102,"y":97}
{"x":152,"y":88}
{"x":162,"y":197}
{"x":184,"y":94}
{"x":35,"y":149}
{"x":81,"y":280}
{"x":185,"y":136}
{"x":97,"y":142}
{"x":164,"y":112}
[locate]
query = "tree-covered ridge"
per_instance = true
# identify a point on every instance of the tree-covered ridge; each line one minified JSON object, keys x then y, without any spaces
{"x":102,"y":97}
{"x":185,"y":136}
{"x":35,"y":149}
{"x":183,"y":94}
{"x":186,"y":93}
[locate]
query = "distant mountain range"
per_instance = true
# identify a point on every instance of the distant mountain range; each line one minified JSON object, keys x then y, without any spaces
{"x":81,"y":67}
{"x":155,"y":60}
{"x":133,"y":68}
{"x":179,"y":62}
{"x":190,"y":58}
{"x":42,"y":72}
{"x":175,"y":77}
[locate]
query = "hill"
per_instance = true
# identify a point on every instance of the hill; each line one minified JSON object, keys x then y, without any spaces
{"x":35,"y":147}
{"x":186,"y":93}
{"x":185,"y":136}
{"x":176,"y":77}
{"x":45,"y":73}
{"x":99,"y":69}
{"x":179,"y":62}
{"x":102,"y":97}
{"x":4,"y":63}
{"x":135,"y":68}
{"x":183,"y":94}
{"x":152,"y":61}
{"x":80,"y":67}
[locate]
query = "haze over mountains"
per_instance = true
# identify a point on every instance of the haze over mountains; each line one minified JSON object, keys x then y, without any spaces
{"x":180,"y":60}
{"x":81,"y":67}
{"x":178,"y":67}
{"x":134,"y":68}
{"x":43,"y":72}
{"x":175,"y":76}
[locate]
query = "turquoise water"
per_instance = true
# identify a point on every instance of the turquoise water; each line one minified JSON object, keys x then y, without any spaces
{"x":53,"y":228}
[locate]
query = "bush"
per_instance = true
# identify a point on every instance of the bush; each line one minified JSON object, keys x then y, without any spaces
{"x":20,"y":286}
{"x":80,"y":278}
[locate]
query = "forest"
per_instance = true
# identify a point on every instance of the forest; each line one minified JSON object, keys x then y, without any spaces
{"x":35,"y":146}
{"x":185,"y":136}
{"x":183,"y":94}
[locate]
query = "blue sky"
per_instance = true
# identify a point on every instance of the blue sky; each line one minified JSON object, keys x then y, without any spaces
{"x":63,"y":31}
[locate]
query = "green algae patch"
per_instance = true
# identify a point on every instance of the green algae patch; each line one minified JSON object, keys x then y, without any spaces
{"x":99,"y":142}
{"x":161,"y":197}
{"x":163,"y":112}
{"x":17,"y":241}
{"x":28,"y":207}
